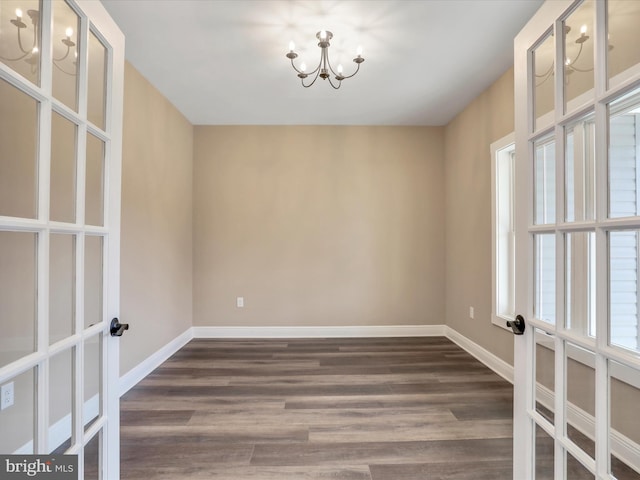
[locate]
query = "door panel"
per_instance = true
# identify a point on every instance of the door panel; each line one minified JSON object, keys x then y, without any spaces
{"x":61,"y":83}
{"x":577,"y":366}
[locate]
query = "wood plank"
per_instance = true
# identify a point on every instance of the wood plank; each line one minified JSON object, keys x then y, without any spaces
{"x":358,"y":472}
{"x":459,"y":470}
{"x":374,"y":453}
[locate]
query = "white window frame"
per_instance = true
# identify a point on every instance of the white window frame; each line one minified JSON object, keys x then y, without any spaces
{"x":500,"y":149}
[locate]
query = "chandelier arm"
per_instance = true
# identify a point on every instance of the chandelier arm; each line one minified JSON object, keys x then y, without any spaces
{"x":317,"y":69}
{"x":64,"y":56}
{"x":6,"y":59}
{"x":546,"y":74}
{"x":587,"y":70}
{"x":331,"y":83}
{"x":343,"y":76}
{"x":26,"y":52}
{"x":578,"y":55}
{"x":314,"y":79}
{"x":294,"y":67}
{"x":71,"y":74}
{"x":581,"y":70}
{"x":546,"y":77}
{"x":354,"y":73}
{"x":327,"y":63}
{"x":300,"y":71}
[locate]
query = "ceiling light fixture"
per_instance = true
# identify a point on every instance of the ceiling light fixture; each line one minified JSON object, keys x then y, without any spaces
{"x":324,"y":69}
{"x":570,"y":63}
{"x":31,"y":54}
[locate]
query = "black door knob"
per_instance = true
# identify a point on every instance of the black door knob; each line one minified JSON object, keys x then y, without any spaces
{"x":117,"y":328}
{"x":517,"y":325}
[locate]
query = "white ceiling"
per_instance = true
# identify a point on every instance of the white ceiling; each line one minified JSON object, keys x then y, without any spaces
{"x":223,"y":62}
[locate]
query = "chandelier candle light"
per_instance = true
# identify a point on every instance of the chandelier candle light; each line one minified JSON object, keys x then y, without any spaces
{"x":324,"y":69}
{"x":31,"y":53}
{"x":570,"y":64}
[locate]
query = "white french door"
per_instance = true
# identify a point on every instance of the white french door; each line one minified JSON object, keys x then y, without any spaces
{"x":61,"y":93}
{"x":577,"y":365}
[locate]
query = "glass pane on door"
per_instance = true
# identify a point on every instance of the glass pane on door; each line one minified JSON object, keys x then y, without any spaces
{"x":92,"y":380}
{"x":578,"y":53}
{"x":94,"y":205}
{"x":624,"y":389}
{"x":580,"y":282}
{"x":623,"y":289}
{"x":18,"y":418}
{"x":92,"y":457}
{"x":545,"y":282}
{"x":18,"y":295}
{"x":545,"y":181}
{"x":60,"y":399}
{"x":93,"y":276}
{"x":18,"y":153}
{"x":624,"y":159}
{"x":623,"y":18}
{"x":580,"y":170}
{"x":577,"y":471}
{"x":544,"y":458}
{"x":63,"y":169}
{"x":20,"y":37}
{"x":543,"y":81}
{"x":62,"y":294}
{"x":97,"y":81}
{"x":545,"y":375}
{"x":581,"y":396}
{"x":66,"y":25}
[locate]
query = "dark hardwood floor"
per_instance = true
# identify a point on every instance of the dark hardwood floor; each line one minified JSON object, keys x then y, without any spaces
{"x":348,"y":409}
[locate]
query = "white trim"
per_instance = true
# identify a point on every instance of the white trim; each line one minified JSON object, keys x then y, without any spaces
{"x":153,"y":361}
{"x":321,"y":331}
{"x":499,"y":366}
{"x":505,"y":144}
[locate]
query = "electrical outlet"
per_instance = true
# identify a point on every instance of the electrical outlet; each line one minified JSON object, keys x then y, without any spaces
{"x":6,"y":395}
{"x":240,"y":302}
{"x":471,"y":312}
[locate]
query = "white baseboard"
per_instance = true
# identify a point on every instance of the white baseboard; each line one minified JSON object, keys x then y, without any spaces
{"x":321,"y":332}
{"x":140,"y":371}
{"x":149,"y":364}
{"x":502,"y":368}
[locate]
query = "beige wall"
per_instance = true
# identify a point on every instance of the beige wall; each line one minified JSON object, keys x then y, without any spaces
{"x":468,"y":221}
{"x":318,"y":226}
{"x":156,"y":262}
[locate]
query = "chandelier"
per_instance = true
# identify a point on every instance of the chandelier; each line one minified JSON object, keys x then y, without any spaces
{"x":31,"y":54}
{"x":324,"y":69}
{"x":570,"y":64}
